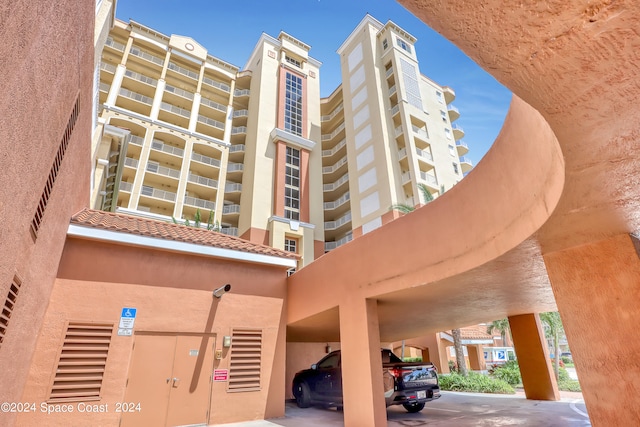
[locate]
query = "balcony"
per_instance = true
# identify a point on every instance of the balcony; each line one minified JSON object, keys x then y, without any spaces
{"x":241,"y":114}
{"x":233,"y":187}
{"x":231,"y":209}
{"x":392,"y":90}
{"x":237,"y":148}
{"x":334,"y":225}
{"x":420,"y":133}
{"x":466,"y":164}
{"x":210,"y":122}
{"x":175,"y":110}
{"x":214,"y":105}
{"x":241,"y":92}
{"x":332,"y":245}
{"x":328,"y":137}
{"x":135,"y":96}
{"x":158,"y":145}
{"x":399,"y":131}
{"x":146,"y":56}
{"x":235,"y":167}
{"x":201,"y":180}
{"x":104,"y":87}
{"x":179,"y":92}
{"x":335,"y":166}
{"x":218,"y":85}
{"x":181,"y":70}
{"x":454,"y":113}
{"x":199,"y":203}
{"x":108,"y":67}
{"x":335,"y":185}
{"x":430,"y":180}
{"x":114,"y":44}
{"x":158,"y":194}
{"x":328,"y":206}
{"x":229,"y":231}
{"x":458,"y":132}
{"x":462,"y":147}
{"x":204,"y":165}
{"x":163,"y":170}
{"x":395,"y":110}
{"x":424,"y":155}
{"x":136,"y":140}
{"x":334,"y":113}
{"x":239,"y":130}
{"x":131,"y":162}
{"x":334,"y":150}
{"x":125,"y":186}
{"x":388,"y":72}
{"x":449,"y":94}
{"x":406,"y":177}
{"x":141,"y":78}
{"x":402,"y":153}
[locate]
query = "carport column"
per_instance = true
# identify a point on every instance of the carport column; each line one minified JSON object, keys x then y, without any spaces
{"x":476,"y":358}
{"x":362,"y":386}
{"x":597,"y":290}
{"x":538,"y":378}
{"x":437,"y":353}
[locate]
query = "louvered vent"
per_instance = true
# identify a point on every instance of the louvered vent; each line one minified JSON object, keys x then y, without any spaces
{"x":82,"y":362}
{"x":9,"y":305}
{"x":246,"y":356}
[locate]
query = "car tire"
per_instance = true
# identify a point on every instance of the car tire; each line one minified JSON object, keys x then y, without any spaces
{"x":302,"y":393}
{"x":413,"y":407}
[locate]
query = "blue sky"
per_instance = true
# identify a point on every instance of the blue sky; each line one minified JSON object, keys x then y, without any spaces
{"x":230,"y":30}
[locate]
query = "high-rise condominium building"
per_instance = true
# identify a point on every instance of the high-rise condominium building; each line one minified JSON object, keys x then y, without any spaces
{"x":257,"y":150}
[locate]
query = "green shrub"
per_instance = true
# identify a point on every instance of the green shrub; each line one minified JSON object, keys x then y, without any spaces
{"x":474,"y":382}
{"x":569,"y":385}
{"x":509,"y":372}
{"x":566,"y":360}
{"x":563,"y":375}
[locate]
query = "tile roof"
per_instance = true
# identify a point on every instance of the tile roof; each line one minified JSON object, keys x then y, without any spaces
{"x":122,"y":223}
{"x":473,"y":333}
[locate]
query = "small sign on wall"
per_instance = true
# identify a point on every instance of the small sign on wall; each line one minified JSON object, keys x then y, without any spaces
{"x":220,"y":374}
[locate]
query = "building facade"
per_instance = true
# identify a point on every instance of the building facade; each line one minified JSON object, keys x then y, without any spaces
{"x":256,"y":152}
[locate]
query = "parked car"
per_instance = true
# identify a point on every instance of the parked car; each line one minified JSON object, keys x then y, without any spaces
{"x":567,"y":354}
{"x":410,"y":384}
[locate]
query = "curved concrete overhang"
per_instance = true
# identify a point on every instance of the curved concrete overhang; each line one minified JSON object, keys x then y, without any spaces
{"x":561,"y":173}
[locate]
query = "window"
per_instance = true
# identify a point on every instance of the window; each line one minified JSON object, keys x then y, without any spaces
{"x":82,"y":362}
{"x":293,"y":104}
{"x":403,"y":45}
{"x":455,"y":168}
{"x":292,"y":61}
{"x":330,"y":362}
{"x":412,"y":86}
{"x":246,"y":359}
{"x":443,"y":114}
{"x":439,"y":96}
{"x":9,"y":306}
{"x":291,"y":245}
{"x":452,"y":150}
{"x":447,"y":133}
{"x":292,"y":184}
{"x":385,"y":44}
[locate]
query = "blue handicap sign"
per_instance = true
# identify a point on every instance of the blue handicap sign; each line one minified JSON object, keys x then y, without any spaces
{"x":129,"y":313}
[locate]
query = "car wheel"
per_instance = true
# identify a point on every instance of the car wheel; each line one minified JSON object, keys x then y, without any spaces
{"x":302,"y":394}
{"x":413,"y":407}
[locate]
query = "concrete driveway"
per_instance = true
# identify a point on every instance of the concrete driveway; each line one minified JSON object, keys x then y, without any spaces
{"x":453,"y":410}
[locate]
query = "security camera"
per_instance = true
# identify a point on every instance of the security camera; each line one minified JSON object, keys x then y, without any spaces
{"x":221,"y":290}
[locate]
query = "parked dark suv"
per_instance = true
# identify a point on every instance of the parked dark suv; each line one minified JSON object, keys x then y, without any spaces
{"x":409,"y":384}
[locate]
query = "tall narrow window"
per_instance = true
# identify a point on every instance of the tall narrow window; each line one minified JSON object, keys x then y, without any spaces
{"x":292,"y":184}
{"x":290,"y":245}
{"x":293,"y":104}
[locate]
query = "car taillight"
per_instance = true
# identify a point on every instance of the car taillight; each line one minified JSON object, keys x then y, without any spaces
{"x":396,"y":372}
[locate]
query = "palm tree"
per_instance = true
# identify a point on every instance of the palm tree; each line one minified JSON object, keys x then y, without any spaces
{"x":457,"y":344}
{"x":554,"y":330}
{"x":405,"y":209}
{"x":501,"y":326}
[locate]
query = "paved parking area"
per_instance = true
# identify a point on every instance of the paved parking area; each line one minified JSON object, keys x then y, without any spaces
{"x":453,"y":410}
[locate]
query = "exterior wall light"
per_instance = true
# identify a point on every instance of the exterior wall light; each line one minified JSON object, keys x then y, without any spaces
{"x":226,"y":341}
{"x":221,"y":290}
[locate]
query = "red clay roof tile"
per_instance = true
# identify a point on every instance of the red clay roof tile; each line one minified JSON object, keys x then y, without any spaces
{"x":166,"y":230}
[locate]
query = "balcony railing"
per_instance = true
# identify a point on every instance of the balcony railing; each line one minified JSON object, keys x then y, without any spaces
{"x":229,"y":231}
{"x":392,"y":90}
{"x":332,"y":245}
{"x":114,"y":44}
{"x":140,"y":77}
{"x":205,"y":159}
{"x":334,"y":150}
{"x":222,"y":86}
{"x":158,"y":194}
{"x":389,"y":72}
{"x":422,"y":133}
{"x":402,"y":153}
{"x":214,"y":105}
{"x":160,"y":146}
{"x":233,"y":187}
{"x":108,"y":67}
{"x":104,"y":87}
{"x":144,"y":55}
{"x":333,"y":134}
{"x":131,"y":162}
{"x":230,"y":209}
{"x":199,"y":203}
{"x":333,"y":113}
{"x":235,"y":167}
{"x":334,"y":185}
{"x":213,"y":123}
{"x":236,"y":148}
{"x":336,"y":203}
{"x":180,"y":92}
{"x":207,"y":182}
{"x":395,"y":109}
{"x":176,"y":110}
{"x":429,"y":179}
{"x":136,"y":140}
{"x":135,"y":96}
{"x":241,"y":113}
{"x":237,"y":130}
{"x":182,"y":70}
{"x":332,"y":225}
{"x":241,"y":92}
{"x":163,"y":170}
{"x":335,"y":166}
{"x":126,"y":186}
{"x":424,"y":154}
{"x":399,"y":130}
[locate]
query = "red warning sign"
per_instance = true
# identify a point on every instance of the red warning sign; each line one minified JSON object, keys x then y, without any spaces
{"x":220,"y":374}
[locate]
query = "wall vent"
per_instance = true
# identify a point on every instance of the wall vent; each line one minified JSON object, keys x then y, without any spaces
{"x":48,"y":187}
{"x":82,"y":362}
{"x":9,"y":307}
{"x":246,"y":357}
